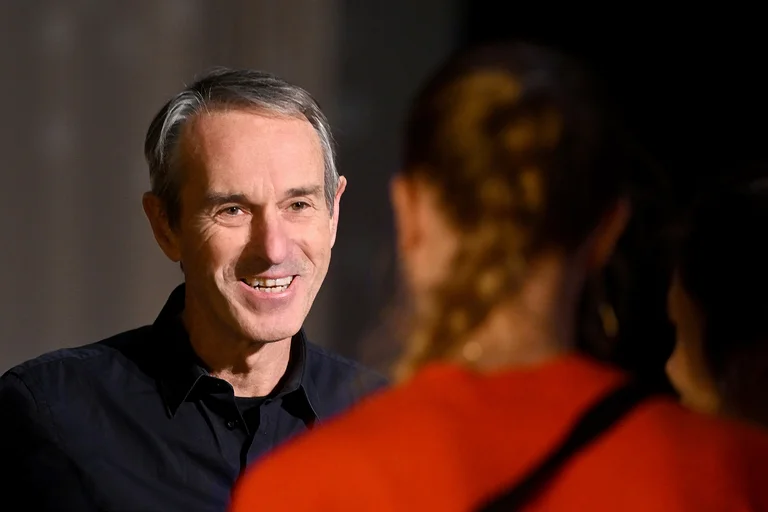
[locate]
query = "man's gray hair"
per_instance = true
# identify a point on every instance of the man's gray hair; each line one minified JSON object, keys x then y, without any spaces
{"x":222,"y":89}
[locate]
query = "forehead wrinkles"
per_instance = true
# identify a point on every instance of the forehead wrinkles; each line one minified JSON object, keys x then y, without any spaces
{"x":202,"y":144}
{"x":224,"y":131}
{"x":200,"y":139}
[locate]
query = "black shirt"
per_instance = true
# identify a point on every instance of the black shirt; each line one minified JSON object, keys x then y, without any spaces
{"x":135,"y":422}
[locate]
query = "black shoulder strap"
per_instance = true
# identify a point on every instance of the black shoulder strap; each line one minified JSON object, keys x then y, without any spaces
{"x":594,"y":422}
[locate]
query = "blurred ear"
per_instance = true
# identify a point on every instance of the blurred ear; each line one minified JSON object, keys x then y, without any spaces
{"x":404,"y":197}
{"x":606,"y":235}
{"x":337,"y":199}
{"x":166,"y":237}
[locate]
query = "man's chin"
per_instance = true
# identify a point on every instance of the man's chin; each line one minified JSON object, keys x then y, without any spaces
{"x":265,"y":338}
{"x":268,"y":321}
{"x":269,"y":330}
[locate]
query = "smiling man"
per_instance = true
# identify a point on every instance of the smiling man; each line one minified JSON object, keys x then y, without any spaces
{"x":245,"y":197}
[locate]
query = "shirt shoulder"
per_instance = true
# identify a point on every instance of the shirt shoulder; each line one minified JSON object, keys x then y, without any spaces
{"x":334,"y":375}
{"x":690,"y":436}
{"x":685,"y":458}
{"x":55,"y":373}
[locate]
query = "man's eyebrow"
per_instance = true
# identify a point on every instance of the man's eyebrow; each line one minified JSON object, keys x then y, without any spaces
{"x":216,"y":199}
{"x":311,"y":190}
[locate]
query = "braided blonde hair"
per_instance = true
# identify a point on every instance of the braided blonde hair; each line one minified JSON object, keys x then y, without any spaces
{"x":512,"y":139}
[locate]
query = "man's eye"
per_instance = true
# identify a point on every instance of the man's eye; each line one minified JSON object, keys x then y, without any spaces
{"x":232,"y":211}
{"x":299,"y":205}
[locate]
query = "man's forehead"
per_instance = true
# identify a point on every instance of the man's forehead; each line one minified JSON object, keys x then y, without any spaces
{"x":218,"y":145}
{"x":228,"y":129}
{"x":250,"y":155}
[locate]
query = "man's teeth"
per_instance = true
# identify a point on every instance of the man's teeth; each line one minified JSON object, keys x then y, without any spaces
{"x":270,"y":285}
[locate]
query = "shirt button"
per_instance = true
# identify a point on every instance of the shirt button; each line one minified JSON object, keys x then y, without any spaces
{"x":231,"y":424}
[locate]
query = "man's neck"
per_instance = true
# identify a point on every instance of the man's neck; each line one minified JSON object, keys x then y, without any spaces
{"x":252,"y":368}
{"x":261,"y":371}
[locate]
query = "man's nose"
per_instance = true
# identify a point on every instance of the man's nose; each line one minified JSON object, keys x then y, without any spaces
{"x":268,"y":238}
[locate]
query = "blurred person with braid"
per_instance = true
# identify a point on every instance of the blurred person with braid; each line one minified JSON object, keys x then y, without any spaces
{"x":511,"y":195}
{"x":719,"y":306}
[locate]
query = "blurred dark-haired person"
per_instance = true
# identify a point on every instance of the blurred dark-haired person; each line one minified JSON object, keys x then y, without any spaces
{"x":245,"y":196}
{"x":511,"y":194}
{"x":718,"y":302}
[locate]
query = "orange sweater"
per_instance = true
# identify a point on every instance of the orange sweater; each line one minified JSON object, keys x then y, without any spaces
{"x":451,"y":438}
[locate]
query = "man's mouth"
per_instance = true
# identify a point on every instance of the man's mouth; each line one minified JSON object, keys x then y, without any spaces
{"x":269,"y":285}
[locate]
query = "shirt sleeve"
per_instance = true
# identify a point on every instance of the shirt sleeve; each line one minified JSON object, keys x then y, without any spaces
{"x":39,"y":474}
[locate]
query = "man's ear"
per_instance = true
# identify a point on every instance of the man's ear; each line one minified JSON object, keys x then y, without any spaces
{"x":166,"y":237}
{"x":607,"y":234}
{"x":336,"y":202}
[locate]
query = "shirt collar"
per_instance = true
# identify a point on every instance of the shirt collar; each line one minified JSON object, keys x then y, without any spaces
{"x":181,"y":370}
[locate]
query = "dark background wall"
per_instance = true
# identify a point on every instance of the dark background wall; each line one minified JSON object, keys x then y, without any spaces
{"x":693,"y":84}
